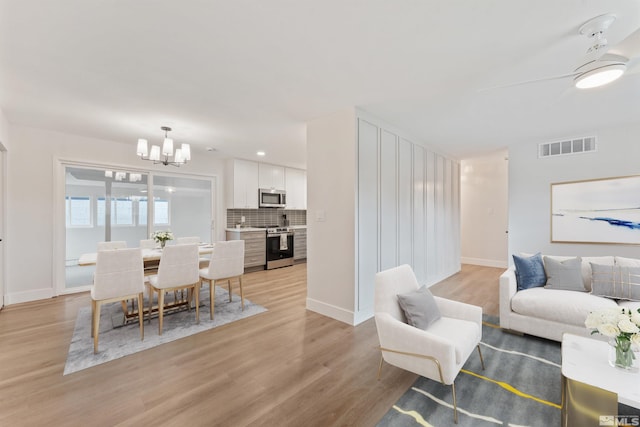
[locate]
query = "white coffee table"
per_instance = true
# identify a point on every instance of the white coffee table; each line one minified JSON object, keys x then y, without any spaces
{"x":590,"y":386}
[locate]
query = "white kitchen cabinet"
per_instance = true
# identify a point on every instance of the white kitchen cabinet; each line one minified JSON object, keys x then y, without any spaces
{"x":296,"y":187}
{"x":271,"y":176}
{"x":242,"y":184}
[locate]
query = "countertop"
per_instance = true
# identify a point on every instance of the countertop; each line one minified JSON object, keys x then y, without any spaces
{"x":245,"y":229}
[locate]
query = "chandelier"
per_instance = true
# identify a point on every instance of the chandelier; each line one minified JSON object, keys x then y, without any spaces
{"x":157,"y":156}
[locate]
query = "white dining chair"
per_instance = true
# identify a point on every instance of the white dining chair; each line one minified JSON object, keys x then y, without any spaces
{"x":148,"y":244}
{"x":188,"y":240}
{"x":118,"y":277}
{"x":203,"y":260}
{"x":116,"y":244}
{"x":226,"y":264}
{"x":178,"y":270}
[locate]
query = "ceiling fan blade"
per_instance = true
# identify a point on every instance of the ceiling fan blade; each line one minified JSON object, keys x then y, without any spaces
{"x":629,"y":47}
{"x":526,"y":82}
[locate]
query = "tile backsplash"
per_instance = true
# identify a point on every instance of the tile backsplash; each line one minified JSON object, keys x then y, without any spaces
{"x":265,"y":216}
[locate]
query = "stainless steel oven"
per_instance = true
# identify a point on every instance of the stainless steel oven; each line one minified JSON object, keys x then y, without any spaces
{"x":279,"y":247}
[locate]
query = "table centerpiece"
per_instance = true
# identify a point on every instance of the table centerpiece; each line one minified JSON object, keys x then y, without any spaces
{"x":162,"y":237}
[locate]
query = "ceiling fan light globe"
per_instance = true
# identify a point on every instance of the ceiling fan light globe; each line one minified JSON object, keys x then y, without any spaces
{"x":599,"y":76}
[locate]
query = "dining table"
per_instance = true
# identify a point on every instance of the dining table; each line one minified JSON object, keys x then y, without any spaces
{"x":151,"y":260}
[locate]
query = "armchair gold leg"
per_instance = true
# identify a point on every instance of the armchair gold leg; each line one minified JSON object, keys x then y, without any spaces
{"x":455,"y":403}
{"x":380,"y":367}
{"x":481,"y":359}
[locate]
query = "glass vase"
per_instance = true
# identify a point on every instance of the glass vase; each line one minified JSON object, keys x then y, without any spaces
{"x":162,"y":243}
{"x":622,"y":354}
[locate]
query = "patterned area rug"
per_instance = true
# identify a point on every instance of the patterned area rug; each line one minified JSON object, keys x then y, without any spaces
{"x":521,"y":386}
{"x":116,"y":340}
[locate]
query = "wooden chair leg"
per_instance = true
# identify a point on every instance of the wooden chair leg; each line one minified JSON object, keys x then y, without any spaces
{"x":196,"y":295}
{"x":212,"y":297}
{"x":229,"y":285}
{"x":93,"y":311}
{"x":141,"y":315}
{"x":96,"y":326}
{"x":150,"y":292}
{"x":160,"y":309}
{"x":241,"y":293}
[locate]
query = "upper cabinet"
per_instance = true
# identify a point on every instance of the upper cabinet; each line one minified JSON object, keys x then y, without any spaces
{"x":242,"y":184}
{"x":244,"y":178}
{"x":296,"y":187}
{"x":271,"y":176}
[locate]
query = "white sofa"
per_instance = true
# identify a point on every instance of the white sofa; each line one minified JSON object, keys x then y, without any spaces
{"x":549,"y":313}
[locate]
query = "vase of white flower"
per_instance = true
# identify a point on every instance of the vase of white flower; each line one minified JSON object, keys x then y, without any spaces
{"x":162,"y":237}
{"x":622,"y":326}
{"x":621,"y":353}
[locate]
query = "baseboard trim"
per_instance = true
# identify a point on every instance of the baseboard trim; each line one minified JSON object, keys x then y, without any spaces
{"x":28,"y":296}
{"x":330,"y":310}
{"x":484,"y":262}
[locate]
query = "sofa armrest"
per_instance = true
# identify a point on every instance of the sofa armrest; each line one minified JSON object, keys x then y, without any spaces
{"x":508,"y":288}
{"x":459,"y":310}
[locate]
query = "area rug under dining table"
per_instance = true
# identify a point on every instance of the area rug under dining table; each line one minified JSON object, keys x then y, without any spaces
{"x":120,"y":341}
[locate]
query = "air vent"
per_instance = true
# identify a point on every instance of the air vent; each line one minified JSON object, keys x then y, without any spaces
{"x":569,"y":146}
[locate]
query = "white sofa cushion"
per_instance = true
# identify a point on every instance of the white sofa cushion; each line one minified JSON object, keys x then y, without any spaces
{"x":562,"y":306}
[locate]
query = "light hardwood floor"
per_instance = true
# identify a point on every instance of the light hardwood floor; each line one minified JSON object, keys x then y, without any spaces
{"x":286,"y":367}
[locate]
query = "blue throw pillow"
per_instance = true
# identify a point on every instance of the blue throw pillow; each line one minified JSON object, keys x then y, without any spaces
{"x":529,"y":271}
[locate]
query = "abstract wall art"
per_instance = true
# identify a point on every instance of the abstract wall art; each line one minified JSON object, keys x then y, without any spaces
{"x":596,"y":211}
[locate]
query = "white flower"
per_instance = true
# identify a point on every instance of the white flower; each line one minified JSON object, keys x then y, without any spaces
{"x":626,"y":325}
{"x":161,"y":236}
{"x":635,"y":339}
{"x":635,"y":317}
{"x":609,"y":315}
{"x":593,"y":320}
{"x":608,"y":330}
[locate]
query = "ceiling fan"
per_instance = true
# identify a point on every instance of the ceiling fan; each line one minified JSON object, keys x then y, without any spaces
{"x":601,"y":65}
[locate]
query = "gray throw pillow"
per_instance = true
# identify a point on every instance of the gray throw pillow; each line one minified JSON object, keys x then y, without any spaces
{"x":566,"y":275}
{"x":420,"y":308}
{"x":615,"y":281}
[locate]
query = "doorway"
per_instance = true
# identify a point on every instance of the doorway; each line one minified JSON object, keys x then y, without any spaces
{"x":109,"y":204}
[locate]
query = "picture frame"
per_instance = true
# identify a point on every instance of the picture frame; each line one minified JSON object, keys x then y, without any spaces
{"x":603,"y":211}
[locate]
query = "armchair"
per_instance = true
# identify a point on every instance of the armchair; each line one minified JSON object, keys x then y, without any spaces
{"x":437,"y":353}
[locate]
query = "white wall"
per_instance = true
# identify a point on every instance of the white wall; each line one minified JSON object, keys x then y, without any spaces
{"x":376,"y":199}
{"x":331,"y":233}
{"x":530,"y":179}
{"x":33,"y":239}
{"x":484,"y":210}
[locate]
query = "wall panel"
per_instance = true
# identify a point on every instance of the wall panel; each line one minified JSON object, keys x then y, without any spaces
{"x":388,"y":200}
{"x":367,"y":213}
{"x":405,"y":202}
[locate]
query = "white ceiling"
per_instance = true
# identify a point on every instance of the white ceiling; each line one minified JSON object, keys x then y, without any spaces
{"x":241,"y":75}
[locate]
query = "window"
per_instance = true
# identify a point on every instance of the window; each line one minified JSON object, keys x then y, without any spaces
{"x":160,"y":213}
{"x":121,"y":211}
{"x":78,"y":211}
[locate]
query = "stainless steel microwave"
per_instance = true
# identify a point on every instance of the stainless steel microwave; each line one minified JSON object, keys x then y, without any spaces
{"x":268,"y":198}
